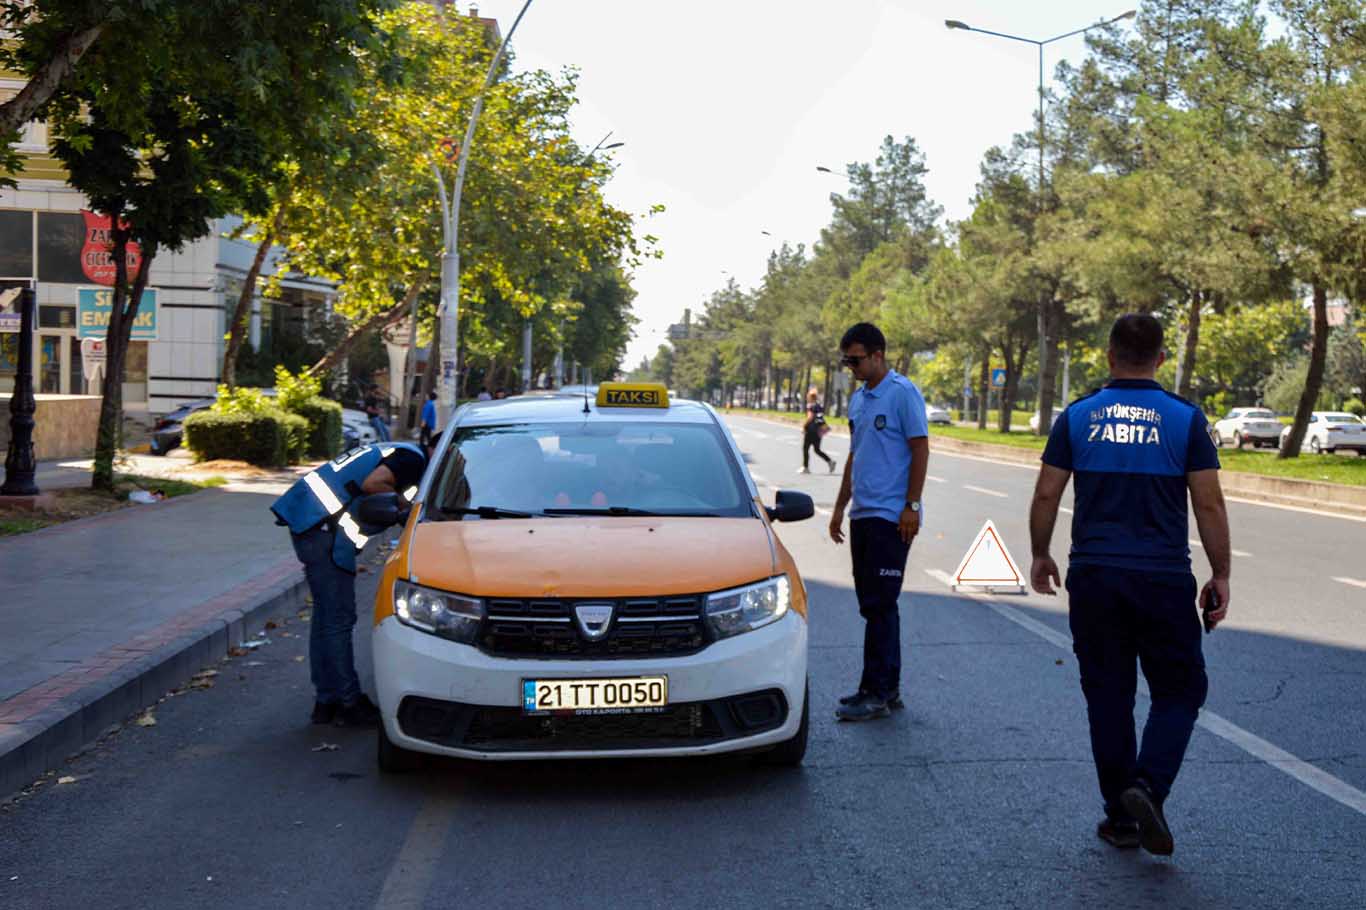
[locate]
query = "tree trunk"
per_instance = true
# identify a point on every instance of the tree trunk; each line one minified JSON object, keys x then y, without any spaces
{"x":241,"y":314}
{"x":24,"y":106}
{"x":122,"y":315}
{"x":829,"y":384}
{"x":1188,"y":350}
{"x":1049,"y":374}
{"x":984,"y":389}
{"x":378,"y":321}
{"x":1313,"y":383}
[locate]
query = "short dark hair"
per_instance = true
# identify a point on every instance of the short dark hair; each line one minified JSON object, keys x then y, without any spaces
{"x":1136,"y":339}
{"x":432,"y":396}
{"x":866,"y":334}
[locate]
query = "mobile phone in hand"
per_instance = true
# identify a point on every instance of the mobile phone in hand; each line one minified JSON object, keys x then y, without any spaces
{"x":1210,"y":605}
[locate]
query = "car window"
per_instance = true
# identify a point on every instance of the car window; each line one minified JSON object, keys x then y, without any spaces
{"x":1259,"y":414}
{"x":1342,"y":418}
{"x":661,"y":468}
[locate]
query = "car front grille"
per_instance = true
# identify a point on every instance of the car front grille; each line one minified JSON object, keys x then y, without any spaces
{"x":483,"y":728}
{"x":639,"y":627}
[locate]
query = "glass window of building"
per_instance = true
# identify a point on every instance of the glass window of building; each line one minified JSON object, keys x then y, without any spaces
{"x":61,"y":236}
{"x":16,"y":244}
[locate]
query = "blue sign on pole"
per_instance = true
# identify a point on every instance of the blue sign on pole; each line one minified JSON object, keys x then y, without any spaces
{"x":998,"y":378}
{"x":95,"y":306}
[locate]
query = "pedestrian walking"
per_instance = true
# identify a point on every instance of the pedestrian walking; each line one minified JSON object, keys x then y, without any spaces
{"x":428,"y":421}
{"x":1135,"y":450}
{"x":374,"y":408}
{"x":326,"y":538}
{"x":814,"y":429}
{"x":889,"y":453}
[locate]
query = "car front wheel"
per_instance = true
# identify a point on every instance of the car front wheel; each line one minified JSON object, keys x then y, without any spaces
{"x":1315,"y":447}
{"x":791,"y":753}
{"x":394,"y":759}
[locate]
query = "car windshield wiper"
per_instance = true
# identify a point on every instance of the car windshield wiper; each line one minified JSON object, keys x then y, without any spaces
{"x":625,"y":510}
{"x":485,"y":512}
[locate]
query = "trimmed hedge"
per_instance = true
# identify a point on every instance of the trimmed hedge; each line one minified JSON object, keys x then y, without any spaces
{"x":324,"y":426}
{"x":269,"y":439}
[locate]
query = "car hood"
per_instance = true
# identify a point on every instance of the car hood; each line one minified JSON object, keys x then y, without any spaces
{"x":590,"y":557}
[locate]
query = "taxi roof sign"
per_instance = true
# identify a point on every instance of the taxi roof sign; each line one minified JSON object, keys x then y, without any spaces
{"x":633,"y":395}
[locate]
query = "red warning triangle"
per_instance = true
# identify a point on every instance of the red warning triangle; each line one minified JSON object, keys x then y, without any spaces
{"x":987,"y":562}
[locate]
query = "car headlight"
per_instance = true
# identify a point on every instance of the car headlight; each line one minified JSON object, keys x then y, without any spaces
{"x":748,"y":608}
{"x":438,"y":612}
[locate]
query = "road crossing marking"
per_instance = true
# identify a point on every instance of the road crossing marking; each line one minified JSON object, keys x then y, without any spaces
{"x":1350,"y":581}
{"x":1311,"y":776}
{"x":968,"y":486}
{"x":1234,"y":551}
{"x":935,"y":479}
{"x":422,"y":853}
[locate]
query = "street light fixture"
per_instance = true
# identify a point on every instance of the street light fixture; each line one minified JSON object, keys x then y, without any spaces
{"x":824,"y":170}
{"x":955,"y":24}
{"x":449,"y":311}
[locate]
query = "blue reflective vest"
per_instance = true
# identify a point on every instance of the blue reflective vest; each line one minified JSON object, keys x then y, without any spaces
{"x":325,"y":496}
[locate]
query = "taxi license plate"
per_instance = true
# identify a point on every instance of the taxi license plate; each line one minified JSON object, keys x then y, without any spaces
{"x":595,"y":696}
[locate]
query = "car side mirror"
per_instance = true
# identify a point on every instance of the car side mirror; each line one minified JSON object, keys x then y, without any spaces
{"x":791,"y":505}
{"x":382,"y":510}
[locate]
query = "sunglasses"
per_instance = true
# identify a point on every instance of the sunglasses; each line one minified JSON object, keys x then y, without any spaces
{"x":853,"y":360}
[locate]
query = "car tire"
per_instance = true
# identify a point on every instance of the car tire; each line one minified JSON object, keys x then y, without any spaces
{"x":790,"y":754}
{"x":1218,"y":439}
{"x":1237,"y":439}
{"x":1314,"y":446}
{"x":394,"y":759}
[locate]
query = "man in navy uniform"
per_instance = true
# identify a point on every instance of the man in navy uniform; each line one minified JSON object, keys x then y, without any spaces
{"x":327,"y":537}
{"x":1135,"y":450}
{"x":889,"y":453}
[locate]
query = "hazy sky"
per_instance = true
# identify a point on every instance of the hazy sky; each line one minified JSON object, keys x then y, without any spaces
{"x":726,"y":108}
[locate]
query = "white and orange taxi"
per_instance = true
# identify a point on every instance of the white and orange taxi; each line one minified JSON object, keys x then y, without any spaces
{"x":591,"y":577}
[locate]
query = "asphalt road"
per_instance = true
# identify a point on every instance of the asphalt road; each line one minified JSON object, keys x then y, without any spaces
{"x":980,"y":794}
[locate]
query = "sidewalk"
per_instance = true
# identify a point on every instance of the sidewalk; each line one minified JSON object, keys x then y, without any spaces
{"x":101,"y":616}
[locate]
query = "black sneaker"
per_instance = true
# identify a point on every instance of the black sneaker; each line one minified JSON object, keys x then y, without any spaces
{"x":360,"y":713}
{"x":1122,"y":834}
{"x":324,"y":713}
{"x":832,"y":465}
{"x":1153,"y":833}
{"x":895,"y":703}
{"x":868,"y":707}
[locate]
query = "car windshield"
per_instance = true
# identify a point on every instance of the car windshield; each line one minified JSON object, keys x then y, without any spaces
{"x":1341,"y":418}
{"x":558,"y":469}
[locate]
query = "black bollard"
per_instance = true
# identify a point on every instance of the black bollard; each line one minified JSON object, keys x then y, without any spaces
{"x":19,"y":464}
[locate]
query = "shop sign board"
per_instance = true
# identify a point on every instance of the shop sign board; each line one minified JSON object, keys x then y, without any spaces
{"x":95,"y":306}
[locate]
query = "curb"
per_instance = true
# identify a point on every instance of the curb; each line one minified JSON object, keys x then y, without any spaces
{"x":43,"y":726}
{"x":1331,"y":498}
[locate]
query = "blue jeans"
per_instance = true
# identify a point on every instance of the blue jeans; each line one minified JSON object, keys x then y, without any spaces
{"x":879,"y":562}
{"x":381,"y":428}
{"x":330,"y":655}
{"x":1123,"y":617}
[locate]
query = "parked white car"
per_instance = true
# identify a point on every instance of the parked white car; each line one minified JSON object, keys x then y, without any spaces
{"x":936,"y":414}
{"x":1258,"y":426}
{"x":1333,"y":431}
{"x":356,"y":425}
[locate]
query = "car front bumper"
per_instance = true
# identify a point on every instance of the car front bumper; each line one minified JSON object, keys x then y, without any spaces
{"x":444,"y":698}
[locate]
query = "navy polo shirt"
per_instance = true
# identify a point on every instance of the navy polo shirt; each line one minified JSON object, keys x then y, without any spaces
{"x":1129,"y":447}
{"x":882,"y":421}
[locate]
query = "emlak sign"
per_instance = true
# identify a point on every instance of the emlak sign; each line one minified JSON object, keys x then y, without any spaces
{"x":97,"y":257}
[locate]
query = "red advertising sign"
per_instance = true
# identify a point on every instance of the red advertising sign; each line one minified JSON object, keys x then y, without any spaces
{"x":97,"y":260}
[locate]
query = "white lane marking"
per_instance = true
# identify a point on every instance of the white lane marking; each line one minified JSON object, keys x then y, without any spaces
{"x":423,"y":850}
{"x":940,"y":576}
{"x":1350,"y":581}
{"x":1313,"y":777}
{"x":968,"y":486}
{"x":1233,"y":550}
{"x":826,"y":512}
{"x":936,"y":453}
{"x":935,"y":479}
{"x":750,"y":431}
{"x":1276,"y":505}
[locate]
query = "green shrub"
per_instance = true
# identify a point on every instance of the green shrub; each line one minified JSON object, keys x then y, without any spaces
{"x":294,"y":392}
{"x":1354,"y":406}
{"x":324,"y":426}
{"x":263,"y":439}
{"x":241,"y":401}
{"x":296,"y":435}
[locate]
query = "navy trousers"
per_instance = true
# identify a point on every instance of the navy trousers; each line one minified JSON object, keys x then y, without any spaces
{"x":1123,"y":617}
{"x":330,"y":654}
{"x":879,"y":564}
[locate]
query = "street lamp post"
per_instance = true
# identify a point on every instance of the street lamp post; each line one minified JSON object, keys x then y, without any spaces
{"x":20,"y":466}
{"x":963,"y":26}
{"x":449,"y":310}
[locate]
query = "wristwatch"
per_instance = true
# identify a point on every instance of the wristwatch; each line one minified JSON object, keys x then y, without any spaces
{"x":913,"y":505}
